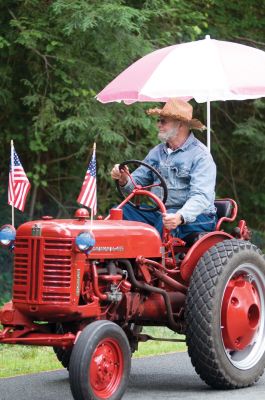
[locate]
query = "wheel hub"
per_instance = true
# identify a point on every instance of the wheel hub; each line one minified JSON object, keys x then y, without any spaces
{"x":240,"y":313}
{"x":106,"y":368}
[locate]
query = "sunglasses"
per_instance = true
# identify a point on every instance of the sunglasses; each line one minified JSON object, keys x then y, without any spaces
{"x":162,"y":121}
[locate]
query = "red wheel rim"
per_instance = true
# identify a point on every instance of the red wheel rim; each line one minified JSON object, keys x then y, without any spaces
{"x":106,"y":368}
{"x":240,"y":313}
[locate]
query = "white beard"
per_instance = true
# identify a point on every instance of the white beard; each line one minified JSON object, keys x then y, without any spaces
{"x":165,"y":136}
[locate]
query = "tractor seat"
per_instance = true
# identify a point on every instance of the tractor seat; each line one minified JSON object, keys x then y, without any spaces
{"x":224,"y":208}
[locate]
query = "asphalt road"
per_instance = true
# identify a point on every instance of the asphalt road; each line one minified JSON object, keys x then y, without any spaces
{"x":168,"y":376}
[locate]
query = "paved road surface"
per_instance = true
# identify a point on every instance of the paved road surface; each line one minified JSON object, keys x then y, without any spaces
{"x":168,"y":376}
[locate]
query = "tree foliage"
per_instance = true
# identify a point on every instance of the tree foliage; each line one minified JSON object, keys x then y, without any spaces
{"x":56,"y":56}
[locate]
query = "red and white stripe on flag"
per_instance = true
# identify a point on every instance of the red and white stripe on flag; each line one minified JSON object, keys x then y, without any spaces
{"x":88,"y":193}
{"x":18,"y":185}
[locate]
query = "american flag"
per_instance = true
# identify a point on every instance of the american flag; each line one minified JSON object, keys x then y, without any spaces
{"x":88,"y":194}
{"x":19,"y":185}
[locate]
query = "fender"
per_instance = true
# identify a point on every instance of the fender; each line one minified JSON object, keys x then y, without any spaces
{"x":198,"y":249}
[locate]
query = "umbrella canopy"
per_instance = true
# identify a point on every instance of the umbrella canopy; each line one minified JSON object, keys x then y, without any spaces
{"x":205,"y":70}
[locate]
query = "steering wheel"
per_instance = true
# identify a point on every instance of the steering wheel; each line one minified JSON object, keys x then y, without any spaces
{"x":161,"y":179}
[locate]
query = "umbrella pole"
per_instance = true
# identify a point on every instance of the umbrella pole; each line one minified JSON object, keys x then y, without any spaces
{"x":208,"y":125}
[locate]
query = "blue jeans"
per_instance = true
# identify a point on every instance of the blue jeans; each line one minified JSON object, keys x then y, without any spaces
{"x":203,"y":223}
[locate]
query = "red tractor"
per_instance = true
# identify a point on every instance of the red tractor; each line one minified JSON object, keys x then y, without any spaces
{"x":87,"y":289}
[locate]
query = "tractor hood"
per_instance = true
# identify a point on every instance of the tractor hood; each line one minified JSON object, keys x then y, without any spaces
{"x":114,"y":238}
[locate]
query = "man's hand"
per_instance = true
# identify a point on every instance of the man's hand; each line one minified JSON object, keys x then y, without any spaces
{"x":121,"y":176}
{"x":171,"y":221}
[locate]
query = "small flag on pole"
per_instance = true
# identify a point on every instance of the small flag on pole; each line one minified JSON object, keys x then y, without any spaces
{"x":88,"y":194}
{"x":18,"y":186}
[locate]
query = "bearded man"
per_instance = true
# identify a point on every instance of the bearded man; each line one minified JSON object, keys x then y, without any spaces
{"x":188,"y":168}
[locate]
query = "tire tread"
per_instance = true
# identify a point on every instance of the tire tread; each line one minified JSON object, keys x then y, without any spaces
{"x":199,"y":313}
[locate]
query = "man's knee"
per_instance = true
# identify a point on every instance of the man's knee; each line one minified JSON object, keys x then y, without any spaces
{"x":203,"y":223}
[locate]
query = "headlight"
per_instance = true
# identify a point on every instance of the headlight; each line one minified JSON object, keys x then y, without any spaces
{"x":7,"y":235}
{"x":85,"y":241}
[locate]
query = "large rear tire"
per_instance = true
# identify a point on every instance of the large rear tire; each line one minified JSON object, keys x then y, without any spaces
{"x":100,"y":363}
{"x":225,"y":315}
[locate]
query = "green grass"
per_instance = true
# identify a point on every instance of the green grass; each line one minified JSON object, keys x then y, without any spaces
{"x":18,"y":360}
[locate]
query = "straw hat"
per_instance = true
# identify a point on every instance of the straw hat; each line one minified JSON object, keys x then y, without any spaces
{"x":179,"y":110}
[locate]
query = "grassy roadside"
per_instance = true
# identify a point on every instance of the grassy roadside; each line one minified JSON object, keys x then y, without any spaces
{"x":19,"y":360}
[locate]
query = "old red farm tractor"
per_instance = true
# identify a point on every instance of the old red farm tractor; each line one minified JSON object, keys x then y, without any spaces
{"x":87,"y":290}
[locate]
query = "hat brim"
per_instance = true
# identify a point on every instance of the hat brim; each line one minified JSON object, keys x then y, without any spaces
{"x":193,"y":123}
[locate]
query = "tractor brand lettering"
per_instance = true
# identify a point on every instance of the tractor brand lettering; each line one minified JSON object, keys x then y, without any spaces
{"x":36,"y":230}
{"x":108,"y":248}
{"x":77,"y":282}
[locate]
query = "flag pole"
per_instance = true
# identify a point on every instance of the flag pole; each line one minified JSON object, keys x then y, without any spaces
{"x":12,"y":172}
{"x":91,"y":220}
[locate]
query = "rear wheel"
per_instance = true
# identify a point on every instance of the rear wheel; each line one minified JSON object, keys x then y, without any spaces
{"x":226,"y":315}
{"x":100,"y":362}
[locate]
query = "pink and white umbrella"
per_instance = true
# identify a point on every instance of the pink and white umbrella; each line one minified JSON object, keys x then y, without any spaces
{"x":205,"y":70}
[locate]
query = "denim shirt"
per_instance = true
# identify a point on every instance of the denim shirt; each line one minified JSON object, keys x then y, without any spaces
{"x":190,"y":175}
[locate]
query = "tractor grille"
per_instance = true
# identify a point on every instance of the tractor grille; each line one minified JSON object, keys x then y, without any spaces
{"x":20,"y":270}
{"x":42,"y":270}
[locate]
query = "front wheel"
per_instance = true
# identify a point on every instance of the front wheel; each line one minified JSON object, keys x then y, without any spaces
{"x":225,"y":314}
{"x":100,"y":362}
